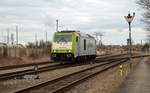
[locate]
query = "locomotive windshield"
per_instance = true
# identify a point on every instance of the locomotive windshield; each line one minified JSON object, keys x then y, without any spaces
{"x":63,"y":38}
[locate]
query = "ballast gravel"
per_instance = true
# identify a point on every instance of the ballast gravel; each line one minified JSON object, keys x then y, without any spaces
{"x":12,"y":85}
{"x":106,"y":82}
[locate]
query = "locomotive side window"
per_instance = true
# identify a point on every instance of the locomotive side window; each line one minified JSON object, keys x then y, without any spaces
{"x":84,"y":44}
{"x":76,"y":39}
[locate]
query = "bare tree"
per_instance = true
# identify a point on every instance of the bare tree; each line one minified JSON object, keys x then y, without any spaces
{"x":99,"y":36}
{"x":40,"y":44}
{"x":12,"y":38}
{"x":145,"y":4}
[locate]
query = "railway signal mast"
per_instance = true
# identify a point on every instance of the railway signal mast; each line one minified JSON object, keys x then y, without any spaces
{"x":99,"y":36}
{"x":57,"y":25}
{"x":129,"y":19}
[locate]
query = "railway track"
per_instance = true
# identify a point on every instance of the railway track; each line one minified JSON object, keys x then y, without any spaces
{"x":12,"y":75}
{"x":47,"y":62}
{"x":50,"y":62}
{"x":32,"y":71}
{"x":112,"y":56}
{"x":61,"y":84}
{"x":24,"y":65}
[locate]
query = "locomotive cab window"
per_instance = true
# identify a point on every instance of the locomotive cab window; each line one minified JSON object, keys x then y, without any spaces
{"x":63,"y":38}
{"x":84,"y":44}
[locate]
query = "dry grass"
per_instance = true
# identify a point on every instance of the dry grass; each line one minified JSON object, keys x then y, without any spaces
{"x":7,"y":61}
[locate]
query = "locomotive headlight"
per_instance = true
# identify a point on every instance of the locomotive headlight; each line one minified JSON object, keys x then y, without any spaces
{"x":69,"y":55}
{"x":54,"y":50}
{"x":69,"y":50}
{"x":54,"y":55}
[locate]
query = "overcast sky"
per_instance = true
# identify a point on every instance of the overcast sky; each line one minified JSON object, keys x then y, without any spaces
{"x":88,"y":16}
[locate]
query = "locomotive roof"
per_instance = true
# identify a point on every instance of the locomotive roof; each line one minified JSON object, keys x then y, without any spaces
{"x":68,"y":31}
{"x":80,"y":33}
{"x":85,"y":35}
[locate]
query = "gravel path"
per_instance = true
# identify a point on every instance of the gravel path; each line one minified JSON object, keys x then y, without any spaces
{"x":138,"y":80}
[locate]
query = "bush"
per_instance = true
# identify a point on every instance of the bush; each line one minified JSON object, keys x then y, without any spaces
{"x":5,"y":52}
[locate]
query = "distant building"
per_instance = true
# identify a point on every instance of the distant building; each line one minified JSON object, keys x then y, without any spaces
{"x":21,"y":46}
{"x":2,"y":44}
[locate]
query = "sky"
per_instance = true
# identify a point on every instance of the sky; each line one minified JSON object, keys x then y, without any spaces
{"x":88,"y":16}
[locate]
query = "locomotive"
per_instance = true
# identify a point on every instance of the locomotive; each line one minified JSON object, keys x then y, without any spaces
{"x":72,"y":46}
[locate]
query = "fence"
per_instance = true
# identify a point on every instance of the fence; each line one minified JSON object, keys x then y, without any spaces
{"x":13,"y":52}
